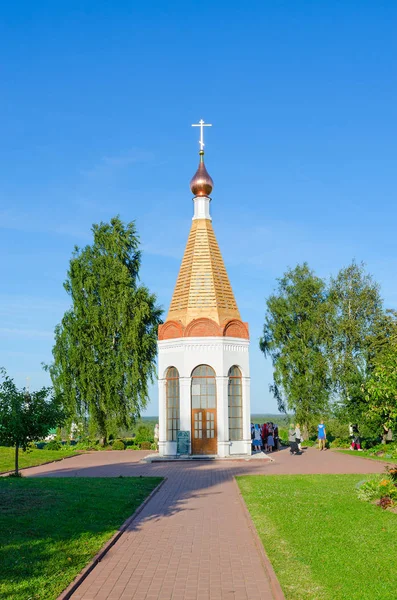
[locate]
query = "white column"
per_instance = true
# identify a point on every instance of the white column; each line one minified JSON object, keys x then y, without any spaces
{"x":246,"y":414}
{"x":222,"y":416}
{"x":185,"y":407}
{"x":201,"y":208}
{"x":162,"y":418}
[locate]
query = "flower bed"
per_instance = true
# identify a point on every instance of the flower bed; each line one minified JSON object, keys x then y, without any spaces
{"x":380,"y":489}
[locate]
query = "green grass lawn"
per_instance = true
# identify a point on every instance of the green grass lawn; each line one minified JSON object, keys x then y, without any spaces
{"x":388,"y":457}
{"x":52,"y":527}
{"x":30,"y":459}
{"x":323,"y":542}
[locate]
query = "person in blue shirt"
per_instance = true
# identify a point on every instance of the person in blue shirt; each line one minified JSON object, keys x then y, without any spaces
{"x":322,"y":435}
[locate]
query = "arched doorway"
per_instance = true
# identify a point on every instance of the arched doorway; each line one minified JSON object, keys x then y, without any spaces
{"x":203,"y":397}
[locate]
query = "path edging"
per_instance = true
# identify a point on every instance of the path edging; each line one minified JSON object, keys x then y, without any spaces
{"x":277,"y":591}
{"x":78,"y":580}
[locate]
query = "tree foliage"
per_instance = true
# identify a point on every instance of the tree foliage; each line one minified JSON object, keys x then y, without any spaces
{"x":105,"y":347}
{"x":357,"y":309}
{"x":26,"y":416}
{"x":381,"y":387}
{"x":295,"y":336}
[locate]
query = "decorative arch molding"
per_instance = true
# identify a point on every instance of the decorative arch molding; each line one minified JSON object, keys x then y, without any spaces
{"x":170,"y":330}
{"x":203,"y":327}
{"x":236,"y":328}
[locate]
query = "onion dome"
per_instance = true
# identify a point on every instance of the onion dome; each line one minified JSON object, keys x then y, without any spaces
{"x":201,"y":183}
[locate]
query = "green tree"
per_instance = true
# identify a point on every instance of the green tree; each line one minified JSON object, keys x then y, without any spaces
{"x":357,"y":310}
{"x":381,"y":386}
{"x":295,"y":336}
{"x":105,"y":347}
{"x":26,"y":416}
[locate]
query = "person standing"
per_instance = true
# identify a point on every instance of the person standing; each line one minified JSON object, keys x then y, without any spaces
{"x":156,"y":434}
{"x":355,"y":437}
{"x":298,"y":436}
{"x":276,"y":438}
{"x":264,"y":436}
{"x":293,"y":446}
{"x":257,"y":438}
{"x":270,"y":440}
{"x":322,"y":435}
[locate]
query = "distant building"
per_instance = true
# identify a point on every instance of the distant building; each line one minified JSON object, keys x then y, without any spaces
{"x":204,"y":382}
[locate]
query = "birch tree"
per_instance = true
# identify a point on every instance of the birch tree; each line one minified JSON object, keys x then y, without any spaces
{"x":105,"y":347}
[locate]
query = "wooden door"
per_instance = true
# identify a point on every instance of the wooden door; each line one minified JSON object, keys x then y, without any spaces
{"x":203,"y":397}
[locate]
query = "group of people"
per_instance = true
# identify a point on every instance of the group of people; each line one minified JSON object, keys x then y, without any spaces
{"x":295,"y":437}
{"x":264,"y":437}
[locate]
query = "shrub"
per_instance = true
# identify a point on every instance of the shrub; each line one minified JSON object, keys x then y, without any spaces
{"x":340,"y":443}
{"x":53,"y":445}
{"x":86,"y":445}
{"x":118,"y":445}
{"x":144,"y":434}
{"x":146,"y":445}
{"x":40,"y":445}
{"x":309,"y":443}
{"x":368,"y":443}
{"x":387,"y":450}
{"x":153,"y":446}
{"x":129,"y":442}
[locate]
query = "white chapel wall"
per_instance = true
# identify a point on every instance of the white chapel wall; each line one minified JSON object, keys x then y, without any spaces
{"x":221,"y":354}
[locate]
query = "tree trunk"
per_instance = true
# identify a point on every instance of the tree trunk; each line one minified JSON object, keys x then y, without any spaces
{"x":16,"y":459}
{"x":103,"y":440}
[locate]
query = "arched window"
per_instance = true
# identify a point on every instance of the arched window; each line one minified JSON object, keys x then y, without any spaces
{"x":235,"y":400}
{"x":172,"y":395}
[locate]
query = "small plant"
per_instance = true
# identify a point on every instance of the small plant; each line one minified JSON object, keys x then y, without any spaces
{"x":369,"y":490}
{"x":392,"y":472}
{"x":153,"y":446}
{"x":385,"y":502}
{"x":146,"y":445}
{"x":118,"y":445}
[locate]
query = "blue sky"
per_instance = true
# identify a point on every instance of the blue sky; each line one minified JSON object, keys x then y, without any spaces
{"x":96,"y":103}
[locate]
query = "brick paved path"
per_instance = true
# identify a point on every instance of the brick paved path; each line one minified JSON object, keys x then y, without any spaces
{"x":192,"y":540}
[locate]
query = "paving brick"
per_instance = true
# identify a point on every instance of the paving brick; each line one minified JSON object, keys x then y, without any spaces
{"x":192,"y":541}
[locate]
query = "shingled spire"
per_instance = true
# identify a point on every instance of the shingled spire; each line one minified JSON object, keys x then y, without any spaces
{"x":203,"y":291}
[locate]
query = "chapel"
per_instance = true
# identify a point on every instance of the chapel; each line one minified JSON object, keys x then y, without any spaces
{"x":203,"y":358}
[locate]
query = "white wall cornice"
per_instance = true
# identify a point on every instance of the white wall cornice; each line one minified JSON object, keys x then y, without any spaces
{"x":206,"y":344}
